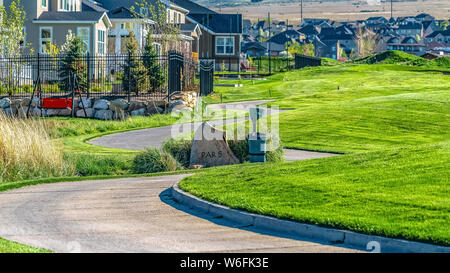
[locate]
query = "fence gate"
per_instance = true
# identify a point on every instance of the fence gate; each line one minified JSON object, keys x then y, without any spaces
{"x":176,"y":66}
{"x":206,"y":77}
{"x":303,"y":61}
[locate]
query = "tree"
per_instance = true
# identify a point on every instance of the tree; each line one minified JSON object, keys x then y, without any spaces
{"x":12,"y":33}
{"x":155,"y":72}
{"x":306,"y":49}
{"x":365,"y":41}
{"x":153,"y":15}
{"x":134,"y":73}
{"x":444,"y":25}
{"x":72,"y":63}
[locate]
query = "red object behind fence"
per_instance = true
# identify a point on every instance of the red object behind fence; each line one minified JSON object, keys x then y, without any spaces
{"x":56,"y":103}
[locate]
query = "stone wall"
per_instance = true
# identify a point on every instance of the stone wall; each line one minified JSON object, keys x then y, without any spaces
{"x":101,"y":108}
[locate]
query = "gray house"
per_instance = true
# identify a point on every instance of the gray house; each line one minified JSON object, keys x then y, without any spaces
{"x":48,"y":22}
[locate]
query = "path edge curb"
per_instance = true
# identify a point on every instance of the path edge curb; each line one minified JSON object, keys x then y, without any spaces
{"x":297,"y":229}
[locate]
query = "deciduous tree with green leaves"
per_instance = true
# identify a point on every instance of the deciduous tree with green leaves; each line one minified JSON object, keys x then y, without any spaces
{"x":12,"y":34}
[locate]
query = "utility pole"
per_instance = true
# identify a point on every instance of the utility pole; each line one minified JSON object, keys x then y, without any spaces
{"x":270,"y":51}
{"x":391,"y":10}
{"x":301,"y":12}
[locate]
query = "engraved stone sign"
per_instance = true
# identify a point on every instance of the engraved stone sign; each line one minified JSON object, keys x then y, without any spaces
{"x":210,"y":148}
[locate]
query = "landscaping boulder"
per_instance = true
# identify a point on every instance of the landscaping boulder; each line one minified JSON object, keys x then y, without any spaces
{"x":210,"y":148}
{"x":101,"y":104}
{"x":90,"y":113}
{"x":15,"y":103}
{"x":5,"y":103}
{"x":180,"y":108}
{"x":36,"y":102}
{"x":25,"y":102}
{"x":139,"y":112}
{"x":10,"y":112}
{"x":87,"y":103}
{"x":154,"y":109}
{"x":104,"y":114}
{"x":136,"y":105}
{"x":118,"y":105}
{"x":120,"y":115}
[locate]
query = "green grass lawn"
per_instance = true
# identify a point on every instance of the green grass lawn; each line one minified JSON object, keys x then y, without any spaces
{"x":392,"y":124}
{"x":13,"y":247}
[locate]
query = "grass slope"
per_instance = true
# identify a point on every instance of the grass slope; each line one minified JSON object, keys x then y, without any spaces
{"x":13,"y":247}
{"x":392,"y":123}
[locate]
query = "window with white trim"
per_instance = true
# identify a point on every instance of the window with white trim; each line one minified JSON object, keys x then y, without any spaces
{"x":225,"y":45}
{"x":45,"y":38}
{"x":44,"y":3}
{"x":84,"y":34}
{"x":101,"y":42}
{"x":68,"y":5}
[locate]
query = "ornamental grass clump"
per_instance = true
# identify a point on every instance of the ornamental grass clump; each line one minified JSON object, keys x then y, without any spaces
{"x":154,"y":160}
{"x":27,"y":152}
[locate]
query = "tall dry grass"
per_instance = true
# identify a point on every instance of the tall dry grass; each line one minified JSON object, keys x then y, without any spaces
{"x":27,"y":151}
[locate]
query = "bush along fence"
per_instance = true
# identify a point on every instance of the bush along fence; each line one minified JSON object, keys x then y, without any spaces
{"x":44,"y":84}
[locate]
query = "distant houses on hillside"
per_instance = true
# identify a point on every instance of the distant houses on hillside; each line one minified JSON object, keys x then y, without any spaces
{"x":416,"y":35}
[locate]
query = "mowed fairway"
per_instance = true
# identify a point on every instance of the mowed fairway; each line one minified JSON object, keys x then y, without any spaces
{"x":391,"y":123}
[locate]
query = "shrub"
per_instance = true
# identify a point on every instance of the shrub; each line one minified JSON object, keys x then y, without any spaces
{"x":27,"y":152}
{"x":154,"y":160}
{"x":180,"y":150}
{"x":88,"y":164}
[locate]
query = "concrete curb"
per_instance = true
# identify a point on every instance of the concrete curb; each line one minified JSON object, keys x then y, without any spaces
{"x":328,"y":235}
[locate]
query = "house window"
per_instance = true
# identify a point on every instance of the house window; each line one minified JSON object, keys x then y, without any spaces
{"x":225,"y":45}
{"x":83,"y":34}
{"x":144,"y":11}
{"x":168,"y":16}
{"x":44,"y":3}
{"x":179,"y":18}
{"x":68,"y":5}
{"x":101,"y":42}
{"x":157,"y":48}
{"x":23,"y":43}
{"x":45,"y":38}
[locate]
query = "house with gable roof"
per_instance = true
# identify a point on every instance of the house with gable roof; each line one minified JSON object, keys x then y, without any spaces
{"x":48,"y":22}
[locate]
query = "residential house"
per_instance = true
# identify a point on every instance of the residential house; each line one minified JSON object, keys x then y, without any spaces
{"x":408,"y":44}
{"x":430,"y":27}
{"x":376,"y":20}
{"x":126,"y":16}
{"x":48,"y":22}
{"x":410,"y":29}
{"x":424,"y":17}
{"x":327,"y":48}
{"x":310,"y":31}
{"x":221,"y":34}
{"x":254,"y":49}
{"x":441,"y":36}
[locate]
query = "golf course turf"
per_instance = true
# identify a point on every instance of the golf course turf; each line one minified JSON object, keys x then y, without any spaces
{"x":392,"y":124}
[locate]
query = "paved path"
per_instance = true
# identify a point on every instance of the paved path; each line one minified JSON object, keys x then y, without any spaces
{"x":155,"y":137}
{"x":127,"y":215}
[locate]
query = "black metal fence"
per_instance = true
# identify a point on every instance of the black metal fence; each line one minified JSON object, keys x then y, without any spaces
{"x":304,"y":61}
{"x":264,"y":64}
{"x":206,"y":76}
{"x":105,"y":76}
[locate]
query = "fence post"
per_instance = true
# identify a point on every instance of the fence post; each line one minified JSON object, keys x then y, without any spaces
{"x":129,"y":77}
{"x":88,"y":76}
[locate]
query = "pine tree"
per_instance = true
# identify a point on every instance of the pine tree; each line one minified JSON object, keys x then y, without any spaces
{"x":155,"y":72}
{"x":72,"y":63}
{"x":134,"y":73}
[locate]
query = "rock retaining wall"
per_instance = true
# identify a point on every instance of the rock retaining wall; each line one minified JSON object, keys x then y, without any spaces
{"x":101,"y":108}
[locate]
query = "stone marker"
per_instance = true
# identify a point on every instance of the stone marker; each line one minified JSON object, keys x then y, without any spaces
{"x":210,"y":148}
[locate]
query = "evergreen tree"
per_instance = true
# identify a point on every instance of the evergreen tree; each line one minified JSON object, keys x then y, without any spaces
{"x":72,"y":63}
{"x":155,"y":72}
{"x":134,"y":74}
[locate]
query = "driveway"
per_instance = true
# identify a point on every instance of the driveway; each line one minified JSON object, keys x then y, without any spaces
{"x":155,"y":137}
{"x":128,"y":215}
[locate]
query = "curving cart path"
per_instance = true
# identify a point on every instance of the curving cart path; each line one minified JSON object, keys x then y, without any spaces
{"x":154,"y":137}
{"x":130,"y":215}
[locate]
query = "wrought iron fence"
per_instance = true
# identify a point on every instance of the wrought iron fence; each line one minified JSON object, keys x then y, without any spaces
{"x":105,"y":76}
